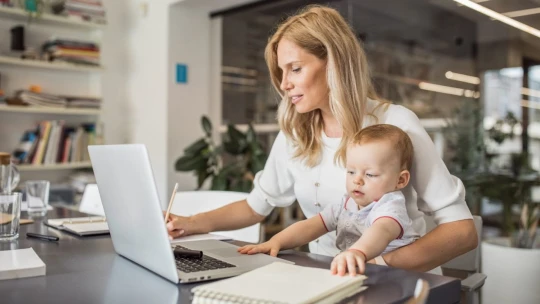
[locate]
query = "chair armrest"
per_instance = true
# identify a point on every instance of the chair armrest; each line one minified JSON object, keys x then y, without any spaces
{"x":473,"y":282}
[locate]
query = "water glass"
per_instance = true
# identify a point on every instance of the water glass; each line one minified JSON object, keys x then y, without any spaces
{"x":10,"y":215}
{"x":37,"y":197}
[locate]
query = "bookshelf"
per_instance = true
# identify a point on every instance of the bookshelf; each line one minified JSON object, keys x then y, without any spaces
{"x":44,"y":110}
{"x":40,"y":64}
{"x":20,"y":15}
{"x":67,"y":166}
{"x":54,"y":77}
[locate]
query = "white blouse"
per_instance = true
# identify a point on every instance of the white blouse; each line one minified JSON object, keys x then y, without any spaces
{"x":432,"y":190}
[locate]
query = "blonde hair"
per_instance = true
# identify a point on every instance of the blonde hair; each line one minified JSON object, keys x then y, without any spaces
{"x":323,"y":32}
{"x":401,"y":142}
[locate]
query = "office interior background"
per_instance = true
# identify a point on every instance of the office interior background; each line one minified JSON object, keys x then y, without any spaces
{"x":159,"y":66}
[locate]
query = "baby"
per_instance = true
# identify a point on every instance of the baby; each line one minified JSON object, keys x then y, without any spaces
{"x":372,"y":218}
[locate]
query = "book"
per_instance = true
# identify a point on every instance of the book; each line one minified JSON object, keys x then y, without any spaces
{"x":20,"y":263}
{"x":281,"y":283}
{"x":81,"y":226}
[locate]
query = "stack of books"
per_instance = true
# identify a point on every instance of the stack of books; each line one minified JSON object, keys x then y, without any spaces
{"x":83,"y":102}
{"x":87,"y":10}
{"x":54,"y":142}
{"x":29,"y":98}
{"x":78,"y":52}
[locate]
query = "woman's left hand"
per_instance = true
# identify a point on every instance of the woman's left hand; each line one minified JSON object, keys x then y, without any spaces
{"x":347,"y":261}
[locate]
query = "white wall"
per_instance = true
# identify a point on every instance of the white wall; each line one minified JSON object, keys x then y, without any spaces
{"x":195,"y":40}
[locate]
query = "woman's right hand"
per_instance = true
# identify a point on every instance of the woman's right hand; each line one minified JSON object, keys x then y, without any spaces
{"x":178,"y":226}
{"x":271,"y":247}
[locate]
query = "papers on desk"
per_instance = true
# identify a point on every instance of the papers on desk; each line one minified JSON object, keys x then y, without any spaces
{"x":281,"y":283}
{"x":81,"y":226}
{"x":200,"y":237}
{"x":20,"y":263}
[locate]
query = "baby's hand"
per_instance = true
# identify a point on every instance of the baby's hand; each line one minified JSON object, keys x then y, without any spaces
{"x":269,"y":247}
{"x":347,"y":261}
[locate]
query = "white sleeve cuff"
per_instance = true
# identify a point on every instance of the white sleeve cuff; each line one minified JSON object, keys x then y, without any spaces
{"x":452,"y":213}
{"x":258,"y":203}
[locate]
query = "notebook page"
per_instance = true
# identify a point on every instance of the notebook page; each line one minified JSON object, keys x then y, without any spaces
{"x":61,"y":221}
{"x":87,"y":227}
{"x":285,"y":283}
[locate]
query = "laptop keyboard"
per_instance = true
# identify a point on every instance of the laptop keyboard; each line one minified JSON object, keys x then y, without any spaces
{"x":194,"y":265}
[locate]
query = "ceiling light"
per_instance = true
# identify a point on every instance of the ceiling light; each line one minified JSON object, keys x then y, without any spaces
{"x":528,"y":104}
{"x":500,"y":17}
{"x":530,"y":92}
{"x":521,"y":13}
{"x":462,"y":77}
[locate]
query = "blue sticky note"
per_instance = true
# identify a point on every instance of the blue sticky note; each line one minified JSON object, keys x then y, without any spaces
{"x":181,"y":73}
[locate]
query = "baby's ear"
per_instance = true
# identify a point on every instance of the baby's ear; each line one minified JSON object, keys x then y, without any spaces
{"x":403,"y":180}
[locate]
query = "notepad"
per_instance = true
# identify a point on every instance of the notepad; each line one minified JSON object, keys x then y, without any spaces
{"x":20,"y":263}
{"x":81,"y":226}
{"x":281,"y":283}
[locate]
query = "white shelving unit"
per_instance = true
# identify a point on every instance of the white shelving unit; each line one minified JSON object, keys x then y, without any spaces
{"x":48,"y":65}
{"x":43,"y":110}
{"x":55,"y":77}
{"x":68,"y":166}
{"x":21,"y":15}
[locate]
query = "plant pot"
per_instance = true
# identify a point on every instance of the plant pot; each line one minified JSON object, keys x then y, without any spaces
{"x":512,"y":273}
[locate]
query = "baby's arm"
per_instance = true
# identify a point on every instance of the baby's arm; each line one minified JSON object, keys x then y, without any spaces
{"x":377,"y":237}
{"x":372,"y":243}
{"x":297,"y":234}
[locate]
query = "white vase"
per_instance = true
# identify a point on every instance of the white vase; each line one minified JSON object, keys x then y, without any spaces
{"x":513,"y":274}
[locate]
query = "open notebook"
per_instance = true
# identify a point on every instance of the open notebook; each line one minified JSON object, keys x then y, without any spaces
{"x":81,"y":226}
{"x":281,"y":283}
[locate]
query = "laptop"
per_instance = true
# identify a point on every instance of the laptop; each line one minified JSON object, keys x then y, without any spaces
{"x":136,"y":222}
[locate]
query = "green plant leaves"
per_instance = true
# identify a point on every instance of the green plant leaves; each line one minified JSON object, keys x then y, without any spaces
{"x":205,"y":159}
{"x":235,"y":142}
{"x":206,"y":125}
{"x":190,"y":162}
{"x":196,"y":147}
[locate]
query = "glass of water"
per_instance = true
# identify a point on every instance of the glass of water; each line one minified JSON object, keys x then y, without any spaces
{"x":37,"y":197}
{"x":10,"y":215}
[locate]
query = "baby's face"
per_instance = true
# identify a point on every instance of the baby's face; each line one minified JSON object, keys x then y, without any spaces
{"x":373,"y":169}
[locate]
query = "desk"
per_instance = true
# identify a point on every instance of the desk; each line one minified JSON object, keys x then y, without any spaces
{"x":87,"y":270}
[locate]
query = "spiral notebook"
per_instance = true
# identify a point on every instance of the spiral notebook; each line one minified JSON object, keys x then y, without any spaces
{"x":281,"y":283}
{"x":81,"y":226}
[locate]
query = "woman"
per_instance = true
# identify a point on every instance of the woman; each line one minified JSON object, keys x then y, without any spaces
{"x":320,"y":70}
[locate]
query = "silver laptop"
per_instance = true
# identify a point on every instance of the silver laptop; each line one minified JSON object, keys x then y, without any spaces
{"x":131,"y":204}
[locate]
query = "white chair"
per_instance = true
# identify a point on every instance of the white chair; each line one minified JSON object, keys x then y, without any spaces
{"x":91,"y":201}
{"x":187,"y":203}
{"x":465,"y":266}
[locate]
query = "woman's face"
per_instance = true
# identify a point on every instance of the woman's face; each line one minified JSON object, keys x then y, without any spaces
{"x":304,"y":77}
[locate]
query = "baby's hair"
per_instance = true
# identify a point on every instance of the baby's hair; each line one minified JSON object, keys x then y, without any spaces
{"x":400,"y":139}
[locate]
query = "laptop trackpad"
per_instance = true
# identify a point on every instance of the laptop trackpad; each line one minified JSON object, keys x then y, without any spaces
{"x":226,"y":252}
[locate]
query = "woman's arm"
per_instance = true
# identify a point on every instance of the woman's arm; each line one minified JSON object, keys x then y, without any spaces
{"x":439,"y":194}
{"x":229,"y":217}
{"x":439,"y":246}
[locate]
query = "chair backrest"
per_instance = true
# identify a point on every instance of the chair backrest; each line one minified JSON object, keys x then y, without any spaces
{"x":469,"y":261}
{"x":91,"y":201}
{"x":187,"y":203}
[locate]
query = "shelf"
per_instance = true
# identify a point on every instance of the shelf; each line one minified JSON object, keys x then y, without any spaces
{"x":67,"y":166}
{"x":19,"y":14}
{"x":48,"y":65}
{"x":44,"y":110}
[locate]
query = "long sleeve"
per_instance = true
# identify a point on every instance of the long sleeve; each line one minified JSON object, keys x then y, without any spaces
{"x":274,"y":186}
{"x":438,"y":192}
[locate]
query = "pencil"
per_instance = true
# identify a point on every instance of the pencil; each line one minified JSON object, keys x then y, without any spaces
{"x":171,"y":202}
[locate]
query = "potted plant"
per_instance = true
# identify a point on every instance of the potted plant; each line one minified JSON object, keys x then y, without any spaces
{"x":230,"y":166}
{"x":510,"y":261}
